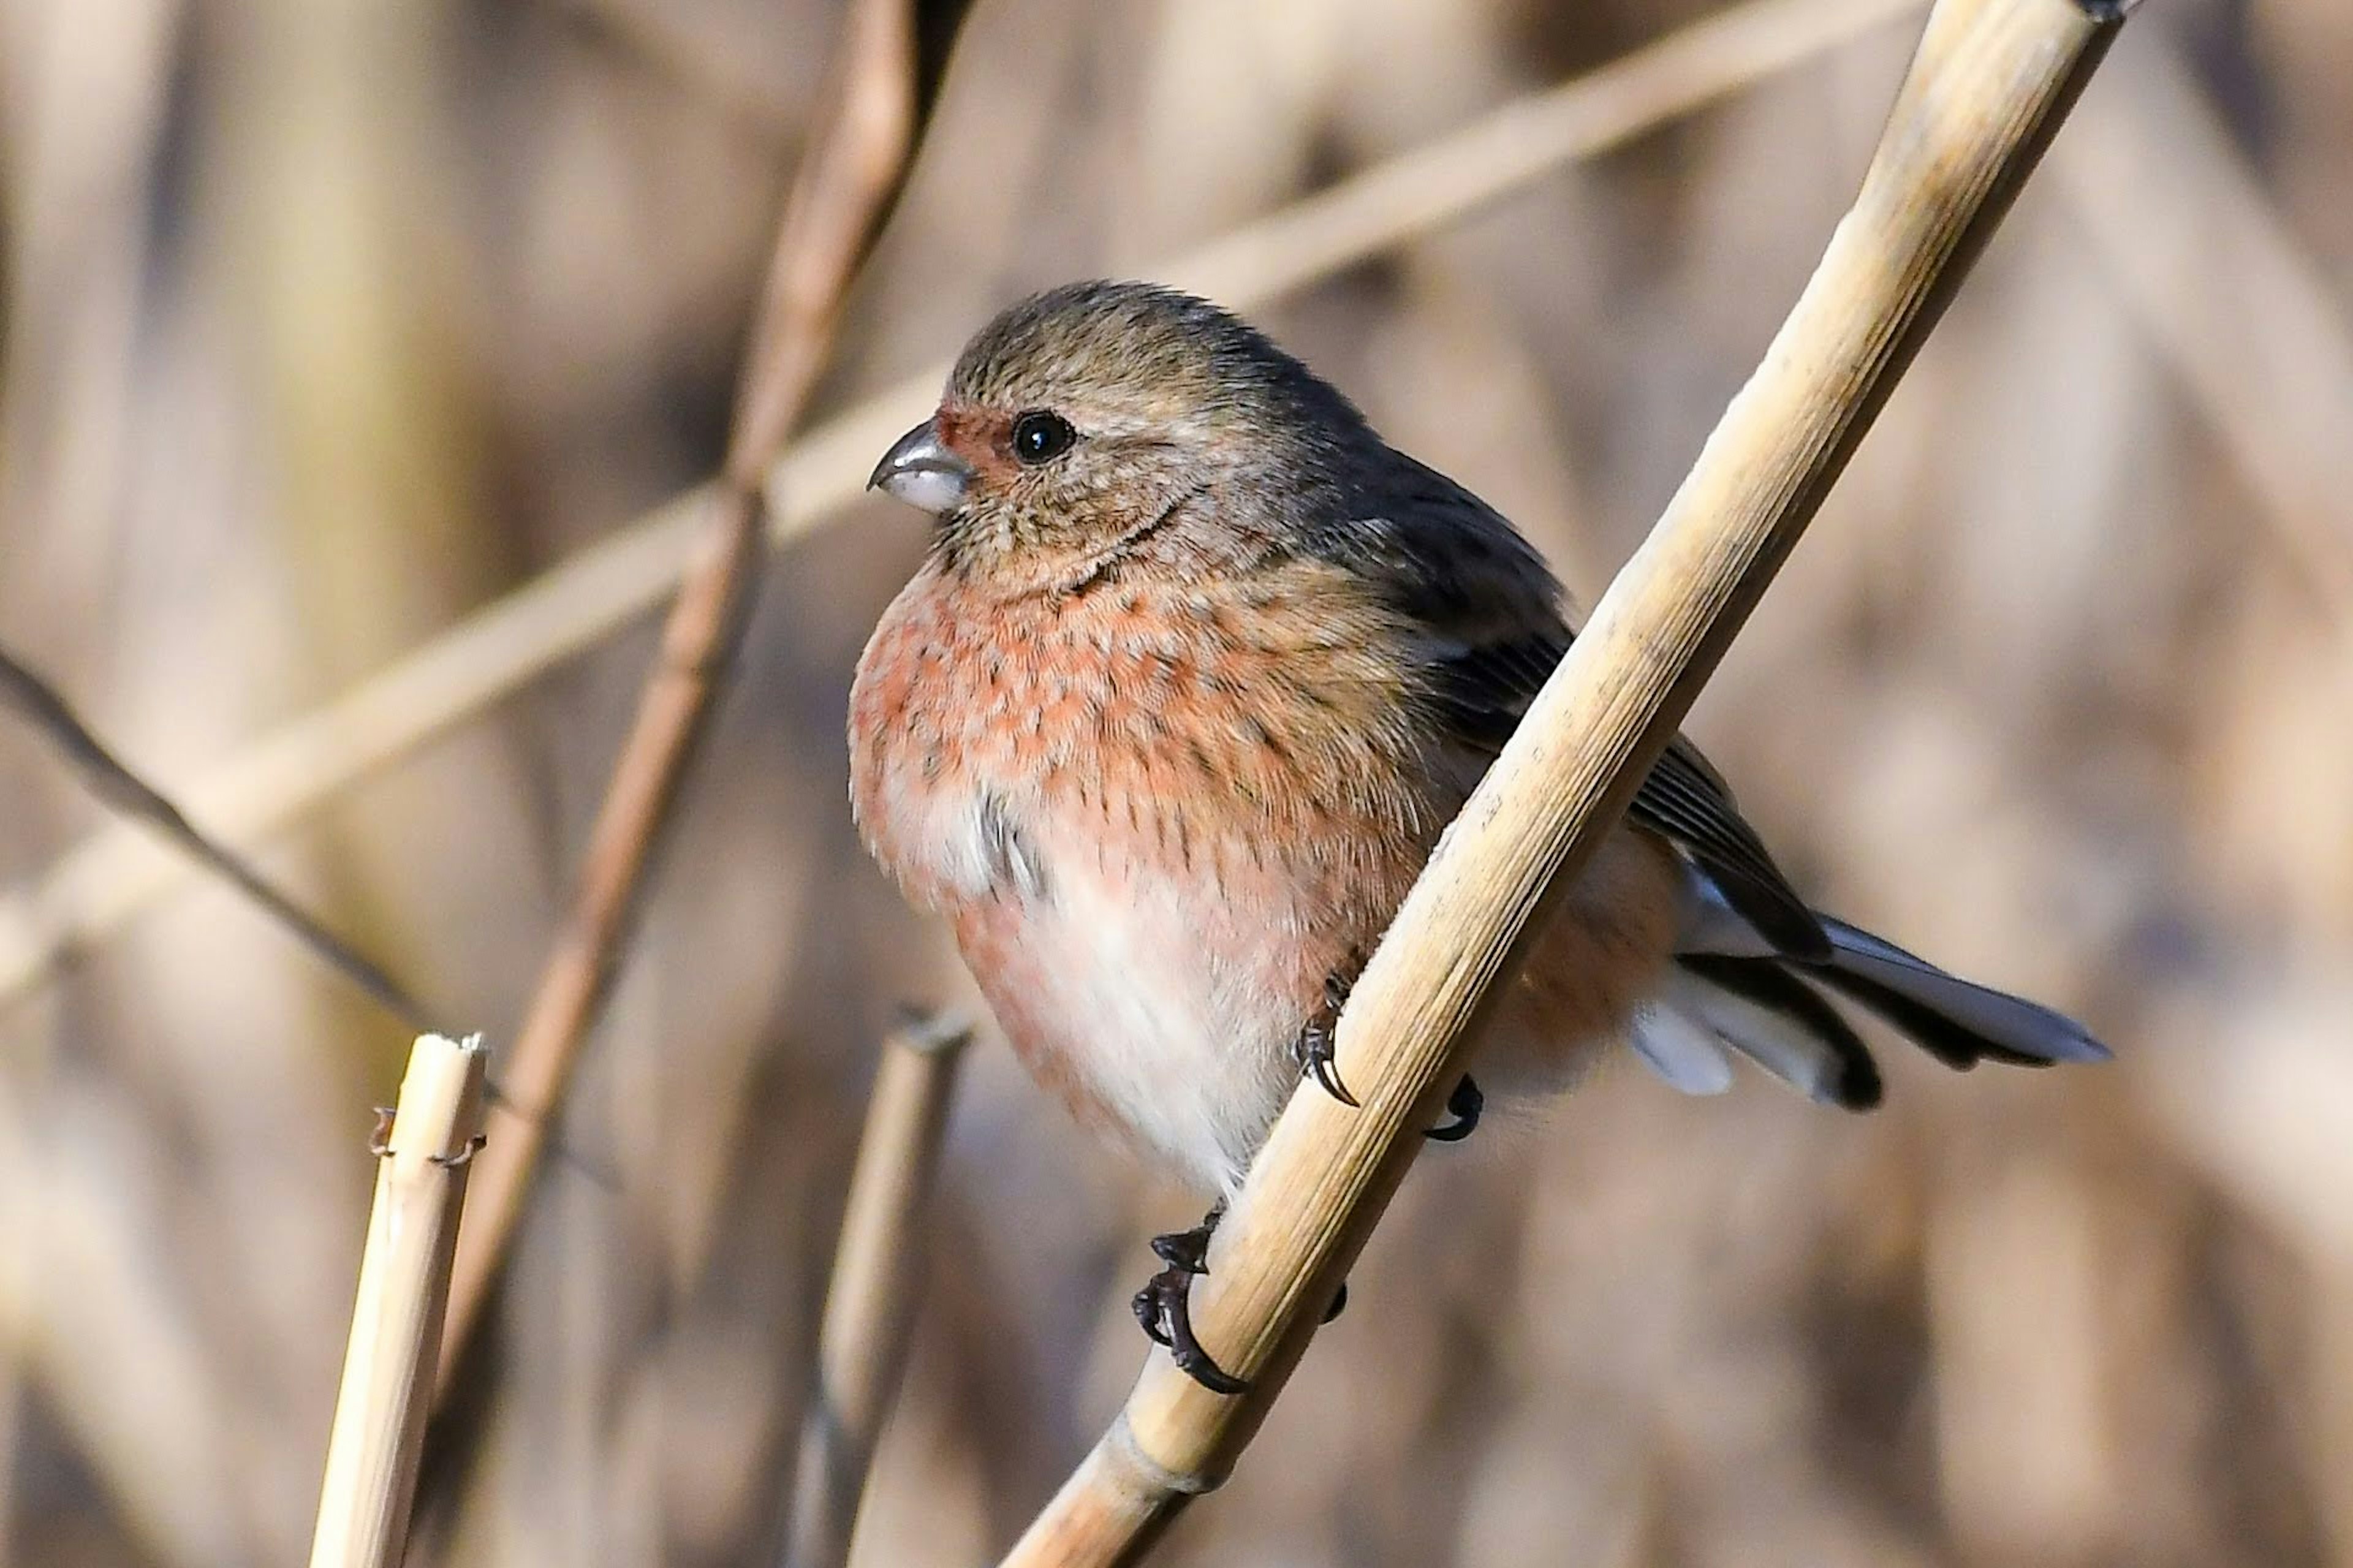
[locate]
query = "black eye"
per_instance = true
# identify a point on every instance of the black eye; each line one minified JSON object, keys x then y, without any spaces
{"x":1040,"y":437}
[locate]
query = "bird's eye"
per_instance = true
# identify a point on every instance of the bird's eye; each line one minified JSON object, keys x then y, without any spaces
{"x":1040,"y":437}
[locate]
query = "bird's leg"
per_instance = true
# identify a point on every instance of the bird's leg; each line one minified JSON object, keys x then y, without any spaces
{"x":1465,"y":1105}
{"x":1163,"y":1305}
{"x":1316,"y":1045}
{"x":1188,"y":1250}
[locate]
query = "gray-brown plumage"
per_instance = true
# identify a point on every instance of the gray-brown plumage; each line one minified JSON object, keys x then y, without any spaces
{"x":1196,"y":672}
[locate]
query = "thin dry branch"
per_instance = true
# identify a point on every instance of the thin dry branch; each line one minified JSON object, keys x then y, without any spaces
{"x":45,"y":708}
{"x":397,"y":1321}
{"x":99,"y":886}
{"x":884,"y":84}
{"x":115,"y":783}
{"x":870,"y":1303}
{"x":1990,"y":84}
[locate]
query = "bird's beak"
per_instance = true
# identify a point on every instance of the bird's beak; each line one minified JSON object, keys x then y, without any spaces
{"x":923,"y":473}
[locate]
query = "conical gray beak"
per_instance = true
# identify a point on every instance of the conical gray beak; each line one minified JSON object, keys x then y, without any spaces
{"x":922,"y":473}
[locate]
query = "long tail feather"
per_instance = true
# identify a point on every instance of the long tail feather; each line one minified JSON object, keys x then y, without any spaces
{"x":1680,"y":1048}
{"x":1780,"y":1023}
{"x":1731,"y":986}
{"x":1959,"y":1022}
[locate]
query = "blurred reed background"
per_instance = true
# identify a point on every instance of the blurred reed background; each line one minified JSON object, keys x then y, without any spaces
{"x":329,"y":320}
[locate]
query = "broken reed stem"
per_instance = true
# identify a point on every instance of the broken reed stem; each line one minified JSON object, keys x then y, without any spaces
{"x":397,"y":1321}
{"x":879,"y":100}
{"x":1988,"y":85}
{"x":95,"y":888}
{"x":870,"y":1304}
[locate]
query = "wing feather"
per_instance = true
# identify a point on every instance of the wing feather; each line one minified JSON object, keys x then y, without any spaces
{"x":1491,"y":619}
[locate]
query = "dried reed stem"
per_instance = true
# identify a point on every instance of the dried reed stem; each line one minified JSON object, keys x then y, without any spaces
{"x":380,"y":1410}
{"x":870,"y":1304}
{"x":883,"y":89}
{"x":1990,"y":84}
{"x":97,"y":886}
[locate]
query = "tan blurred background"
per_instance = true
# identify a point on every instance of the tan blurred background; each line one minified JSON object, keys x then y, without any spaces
{"x":327,"y":322}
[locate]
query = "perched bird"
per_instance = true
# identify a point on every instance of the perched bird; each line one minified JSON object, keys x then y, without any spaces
{"x":1196,"y":670}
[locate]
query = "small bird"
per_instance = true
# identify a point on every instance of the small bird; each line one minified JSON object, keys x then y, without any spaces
{"x":1195,"y":671}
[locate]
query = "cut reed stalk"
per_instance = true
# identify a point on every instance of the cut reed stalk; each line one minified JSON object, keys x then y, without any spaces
{"x":870,"y":1304}
{"x":423,"y":1158}
{"x":1988,"y":85}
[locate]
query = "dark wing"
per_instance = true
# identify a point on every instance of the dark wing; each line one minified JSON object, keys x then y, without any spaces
{"x":1495,"y":633}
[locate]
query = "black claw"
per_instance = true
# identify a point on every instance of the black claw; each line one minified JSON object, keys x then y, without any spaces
{"x":1148,"y":1311}
{"x":1164,"y":1305}
{"x":1316,"y":1046}
{"x":1339,"y":1302}
{"x":1465,"y":1105}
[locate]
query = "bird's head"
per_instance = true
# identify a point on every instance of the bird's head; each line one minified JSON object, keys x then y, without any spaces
{"x":1096,"y":413}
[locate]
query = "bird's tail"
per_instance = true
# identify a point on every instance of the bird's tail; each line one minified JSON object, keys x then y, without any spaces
{"x":1773,"y":1011}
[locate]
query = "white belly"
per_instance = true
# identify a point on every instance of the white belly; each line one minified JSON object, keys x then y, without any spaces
{"x":1183,"y":1035}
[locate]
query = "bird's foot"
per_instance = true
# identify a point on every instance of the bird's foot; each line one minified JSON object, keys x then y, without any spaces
{"x":1465,"y":1105}
{"x":1164,"y":1307}
{"x":1317,"y":1045}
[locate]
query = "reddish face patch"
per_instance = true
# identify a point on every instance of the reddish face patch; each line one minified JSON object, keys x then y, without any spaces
{"x":981,"y":437}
